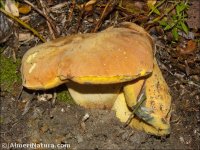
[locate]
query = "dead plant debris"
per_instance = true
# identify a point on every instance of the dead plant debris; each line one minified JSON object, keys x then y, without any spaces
{"x":176,"y":31}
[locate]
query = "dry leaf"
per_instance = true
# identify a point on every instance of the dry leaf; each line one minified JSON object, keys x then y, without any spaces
{"x":24,"y":9}
{"x":11,"y":8}
{"x":151,"y":3}
{"x":89,"y":5}
{"x":25,"y":36}
{"x":190,"y":47}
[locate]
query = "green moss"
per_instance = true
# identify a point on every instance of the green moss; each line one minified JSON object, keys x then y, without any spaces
{"x":8,"y":73}
{"x":1,"y":120}
{"x":64,"y":96}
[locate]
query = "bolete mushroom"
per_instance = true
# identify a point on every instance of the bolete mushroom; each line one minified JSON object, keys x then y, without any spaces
{"x":154,"y":114}
{"x":96,"y":67}
{"x":98,"y":62}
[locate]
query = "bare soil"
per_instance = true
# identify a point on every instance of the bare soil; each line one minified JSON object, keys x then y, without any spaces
{"x":63,"y":123}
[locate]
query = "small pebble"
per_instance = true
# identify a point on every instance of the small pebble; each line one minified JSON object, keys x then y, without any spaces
{"x":79,"y":138}
{"x":181,"y":139}
{"x":85,"y":117}
{"x":63,"y":110}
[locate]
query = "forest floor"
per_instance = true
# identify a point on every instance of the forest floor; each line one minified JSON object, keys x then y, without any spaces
{"x":62,"y":124}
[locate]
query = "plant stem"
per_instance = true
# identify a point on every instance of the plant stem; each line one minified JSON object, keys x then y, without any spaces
{"x":23,"y":24}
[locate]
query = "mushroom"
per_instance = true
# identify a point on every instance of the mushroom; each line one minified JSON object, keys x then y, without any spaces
{"x":154,"y":114}
{"x":90,"y":63}
{"x":96,"y":67}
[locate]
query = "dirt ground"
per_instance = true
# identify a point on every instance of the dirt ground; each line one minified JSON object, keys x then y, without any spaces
{"x":102,"y":130}
{"x":63,"y":123}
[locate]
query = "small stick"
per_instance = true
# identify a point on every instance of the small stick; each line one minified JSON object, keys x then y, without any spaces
{"x":50,"y":23}
{"x":23,"y":24}
{"x":53,"y":101}
{"x":106,"y":11}
{"x":141,"y":98}
{"x":59,"y":6}
{"x":80,"y":19}
{"x":34,"y":7}
{"x":41,"y":13}
{"x":20,"y":94}
{"x":70,"y":14}
{"x":27,"y":106}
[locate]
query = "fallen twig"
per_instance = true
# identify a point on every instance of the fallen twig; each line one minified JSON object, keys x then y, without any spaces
{"x":28,"y":104}
{"x":50,"y":23}
{"x":80,"y":19}
{"x":59,"y":6}
{"x":105,"y":13}
{"x":20,"y":93}
{"x":23,"y":24}
{"x":141,"y":98}
{"x":70,"y":13}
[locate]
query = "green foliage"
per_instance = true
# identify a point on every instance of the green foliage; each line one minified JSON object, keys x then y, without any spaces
{"x":175,"y":21}
{"x":1,"y":4}
{"x":8,"y":73}
{"x":64,"y":96}
{"x":154,"y":9}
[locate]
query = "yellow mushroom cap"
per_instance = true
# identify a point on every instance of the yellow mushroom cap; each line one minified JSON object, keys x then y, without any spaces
{"x":115,"y":55}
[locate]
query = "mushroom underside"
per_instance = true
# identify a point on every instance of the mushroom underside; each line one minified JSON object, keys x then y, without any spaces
{"x":153,"y":116}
